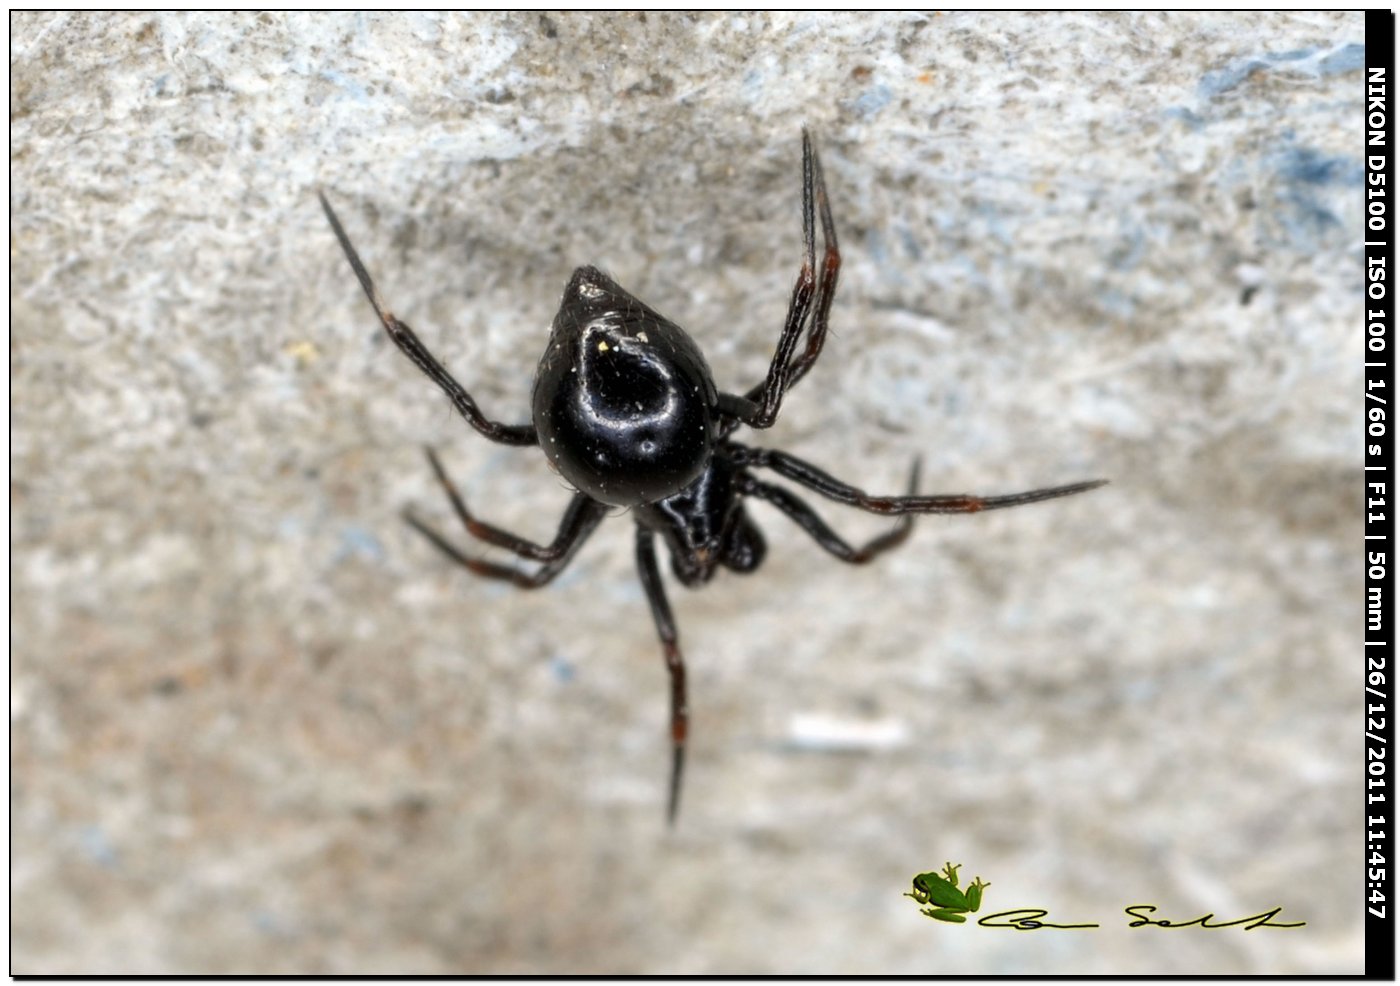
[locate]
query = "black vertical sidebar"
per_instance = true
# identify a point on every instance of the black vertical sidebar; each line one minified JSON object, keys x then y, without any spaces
{"x":1379,"y":413}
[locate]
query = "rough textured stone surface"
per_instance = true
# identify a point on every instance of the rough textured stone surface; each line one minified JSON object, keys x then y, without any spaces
{"x":259,"y":726}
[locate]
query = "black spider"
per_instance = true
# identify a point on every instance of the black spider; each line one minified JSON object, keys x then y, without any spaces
{"x":626,"y":410}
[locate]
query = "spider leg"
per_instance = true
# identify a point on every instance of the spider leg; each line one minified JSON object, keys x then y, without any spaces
{"x":675,"y":663}
{"x":807,"y":518}
{"x":759,"y":407}
{"x":826,"y":287}
{"x":414,"y":349}
{"x":580,"y":519}
{"x":828,"y":486}
{"x":490,"y":533}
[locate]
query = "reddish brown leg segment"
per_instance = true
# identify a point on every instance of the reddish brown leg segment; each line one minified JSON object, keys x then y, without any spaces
{"x":580,"y":519}
{"x":413,"y":348}
{"x":675,"y":663}
{"x":759,"y":407}
{"x":807,"y":518}
{"x":795,"y":469}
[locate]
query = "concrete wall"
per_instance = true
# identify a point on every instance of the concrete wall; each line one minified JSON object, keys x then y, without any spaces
{"x":259,"y":725}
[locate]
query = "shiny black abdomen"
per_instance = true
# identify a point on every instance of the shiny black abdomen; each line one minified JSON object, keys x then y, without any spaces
{"x":624,"y":403}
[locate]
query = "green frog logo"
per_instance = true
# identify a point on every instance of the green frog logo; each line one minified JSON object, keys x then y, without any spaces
{"x":941,"y":891}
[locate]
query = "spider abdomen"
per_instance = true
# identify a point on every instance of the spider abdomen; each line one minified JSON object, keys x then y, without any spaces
{"x":623,"y":400}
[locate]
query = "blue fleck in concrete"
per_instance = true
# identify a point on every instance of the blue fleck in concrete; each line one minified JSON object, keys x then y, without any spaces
{"x":1310,"y":182}
{"x":1116,"y":303}
{"x":348,"y":85}
{"x":1192,"y":120}
{"x":995,"y":220}
{"x":872,"y":101}
{"x":752,"y":85}
{"x":358,"y":541}
{"x":1311,"y":167}
{"x":1133,"y":248}
{"x":269,"y":923}
{"x":1308,"y":61}
{"x":1348,"y":58}
{"x":1212,"y":84}
{"x":912,"y":248}
{"x":93,"y":839}
{"x":562,"y":668}
{"x":876,"y":253}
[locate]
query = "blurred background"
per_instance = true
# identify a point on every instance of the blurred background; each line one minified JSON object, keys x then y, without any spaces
{"x":259,"y":726}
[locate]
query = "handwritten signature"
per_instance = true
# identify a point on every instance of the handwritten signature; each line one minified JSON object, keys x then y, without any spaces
{"x":1030,"y":919}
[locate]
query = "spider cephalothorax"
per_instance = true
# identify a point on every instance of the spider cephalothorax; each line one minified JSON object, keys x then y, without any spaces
{"x":627,"y":411}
